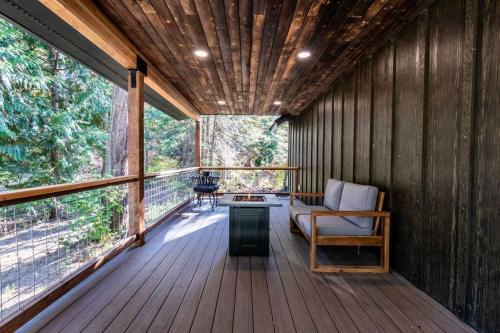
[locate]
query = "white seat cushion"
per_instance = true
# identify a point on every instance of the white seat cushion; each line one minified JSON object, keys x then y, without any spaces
{"x":295,"y":211}
{"x":332,"y":226}
{"x":359,"y":198}
{"x":333,"y":193}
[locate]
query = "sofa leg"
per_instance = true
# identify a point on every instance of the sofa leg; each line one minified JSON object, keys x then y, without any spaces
{"x":312,"y":255}
{"x":293,"y":227}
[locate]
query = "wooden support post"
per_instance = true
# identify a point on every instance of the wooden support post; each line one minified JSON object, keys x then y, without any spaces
{"x":197,"y":144}
{"x":135,"y":143}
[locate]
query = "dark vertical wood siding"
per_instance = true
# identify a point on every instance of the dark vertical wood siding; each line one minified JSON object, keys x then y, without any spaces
{"x":321,"y":144}
{"x":382,"y":89}
{"x":328,"y":137}
{"x":348,"y":128}
{"x":314,"y":152}
{"x":308,"y":150}
{"x":420,"y":119}
{"x":363,"y":124}
{"x":338,"y":107}
{"x":406,"y":190}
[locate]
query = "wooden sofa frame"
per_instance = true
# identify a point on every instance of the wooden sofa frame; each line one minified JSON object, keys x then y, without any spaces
{"x":379,"y":237}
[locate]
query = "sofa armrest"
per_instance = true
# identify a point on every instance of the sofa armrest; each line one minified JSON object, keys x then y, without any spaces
{"x":350,"y":213}
{"x":293,"y":195}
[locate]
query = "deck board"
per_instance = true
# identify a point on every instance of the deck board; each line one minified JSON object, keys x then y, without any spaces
{"x":183,"y":280}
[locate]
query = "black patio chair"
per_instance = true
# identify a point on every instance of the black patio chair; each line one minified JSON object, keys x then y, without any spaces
{"x":206,"y":184}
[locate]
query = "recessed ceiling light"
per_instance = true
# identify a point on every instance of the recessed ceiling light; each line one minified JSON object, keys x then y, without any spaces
{"x":221,"y":102}
{"x":277,"y":102}
{"x":200,"y":53}
{"x":304,"y":54}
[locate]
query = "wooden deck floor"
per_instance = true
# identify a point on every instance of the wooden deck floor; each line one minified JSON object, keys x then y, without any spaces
{"x":183,"y":280}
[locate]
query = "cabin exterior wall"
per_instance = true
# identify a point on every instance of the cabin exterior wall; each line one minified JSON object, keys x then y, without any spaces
{"x":420,"y":119}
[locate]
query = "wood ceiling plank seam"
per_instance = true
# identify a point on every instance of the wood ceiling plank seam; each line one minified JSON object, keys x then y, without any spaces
{"x":338,"y":17}
{"x":345,"y":57}
{"x":270,"y":26}
{"x":219,"y":15}
{"x":245,"y":11}
{"x":259,"y":18}
{"x":233,"y":25}
{"x":188,"y":7}
{"x":171,"y":11}
{"x":207,"y":22}
{"x":295,"y":30}
{"x":312,"y":21}
{"x":125,"y":13}
{"x":285,"y":20}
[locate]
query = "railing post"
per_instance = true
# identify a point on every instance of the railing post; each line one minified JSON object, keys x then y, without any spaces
{"x":197,"y":144}
{"x":135,"y":143}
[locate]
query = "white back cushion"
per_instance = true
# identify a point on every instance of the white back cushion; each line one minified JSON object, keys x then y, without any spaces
{"x":333,"y":192}
{"x":359,"y":198}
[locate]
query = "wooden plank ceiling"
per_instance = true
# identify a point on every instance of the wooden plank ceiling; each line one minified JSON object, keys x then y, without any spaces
{"x":252,"y":46}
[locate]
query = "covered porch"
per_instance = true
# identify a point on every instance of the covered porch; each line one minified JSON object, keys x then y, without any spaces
{"x":397,"y":97}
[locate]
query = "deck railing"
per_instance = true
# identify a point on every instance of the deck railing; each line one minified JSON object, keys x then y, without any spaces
{"x":54,"y":236}
{"x":163,"y":191}
{"x":254,"y":179}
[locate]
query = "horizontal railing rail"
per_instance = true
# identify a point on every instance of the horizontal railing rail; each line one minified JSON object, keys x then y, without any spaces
{"x":249,"y":168}
{"x":13,"y":197}
{"x":170,"y":172}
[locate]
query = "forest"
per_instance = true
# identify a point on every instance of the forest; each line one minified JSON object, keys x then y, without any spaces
{"x":60,"y":122}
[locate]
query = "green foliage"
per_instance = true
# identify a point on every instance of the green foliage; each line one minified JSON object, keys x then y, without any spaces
{"x":169,"y":144}
{"x":52,"y":121}
{"x":95,"y":211}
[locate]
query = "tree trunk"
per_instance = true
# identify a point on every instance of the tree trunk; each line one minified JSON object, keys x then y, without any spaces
{"x":212,"y":144}
{"x":206,"y":140}
{"x":53,"y":58}
{"x":116,"y":161}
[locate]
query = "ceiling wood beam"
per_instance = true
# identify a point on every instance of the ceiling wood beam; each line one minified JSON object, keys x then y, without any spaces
{"x":89,"y":21}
